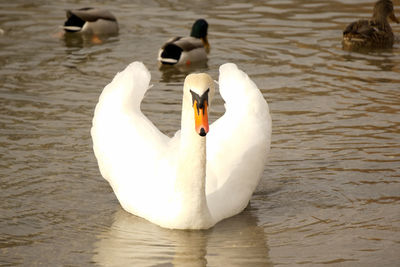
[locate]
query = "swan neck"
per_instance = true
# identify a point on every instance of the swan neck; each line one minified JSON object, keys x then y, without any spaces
{"x":190,"y":186}
{"x":192,"y":154}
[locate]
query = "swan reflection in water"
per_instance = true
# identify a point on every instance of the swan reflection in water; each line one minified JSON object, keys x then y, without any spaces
{"x":133,"y":241}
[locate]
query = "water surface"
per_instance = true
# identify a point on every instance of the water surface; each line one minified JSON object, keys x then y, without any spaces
{"x":329,"y":194}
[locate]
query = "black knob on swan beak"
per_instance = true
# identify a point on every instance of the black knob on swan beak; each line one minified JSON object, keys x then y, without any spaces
{"x":202,"y":132}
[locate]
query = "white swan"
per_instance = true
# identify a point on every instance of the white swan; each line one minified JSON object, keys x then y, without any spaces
{"x":183,"y":182}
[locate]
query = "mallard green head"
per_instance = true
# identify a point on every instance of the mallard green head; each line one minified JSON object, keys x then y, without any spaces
{"x":199,"y":29}
{"x":384,"y":9}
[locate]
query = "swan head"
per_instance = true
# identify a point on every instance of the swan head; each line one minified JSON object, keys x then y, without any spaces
{"x":198,"y":90}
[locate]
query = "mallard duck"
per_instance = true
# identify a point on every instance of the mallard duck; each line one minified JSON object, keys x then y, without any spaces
{"x":91,"y":21}
{"x":372,"y":33}
{"x":186,"y":50}
{"x":204,"y":173}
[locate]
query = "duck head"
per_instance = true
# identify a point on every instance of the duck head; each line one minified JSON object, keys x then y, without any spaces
{"x":383,"y":9}
{"x":199,"y":30}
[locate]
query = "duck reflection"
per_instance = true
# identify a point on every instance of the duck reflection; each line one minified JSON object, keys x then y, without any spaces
{"x":176,"y":73}
{"x":133,"y":241}
{"x":85,"y":40}
{"x":381,"y":59}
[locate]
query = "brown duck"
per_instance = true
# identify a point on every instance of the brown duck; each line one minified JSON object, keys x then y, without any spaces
{"x":372,"y":33}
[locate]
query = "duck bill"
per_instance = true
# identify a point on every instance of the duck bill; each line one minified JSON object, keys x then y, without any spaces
{"x":201,"y":118}
{"x":206,"y":44}
{"x":393,"y":18}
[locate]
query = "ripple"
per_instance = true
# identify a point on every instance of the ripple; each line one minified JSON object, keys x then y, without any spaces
{"x":329,"y":193}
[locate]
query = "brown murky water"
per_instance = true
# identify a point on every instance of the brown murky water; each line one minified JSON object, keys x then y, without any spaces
{"x":330,"y":194}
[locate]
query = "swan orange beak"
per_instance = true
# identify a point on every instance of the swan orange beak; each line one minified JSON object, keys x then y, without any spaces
{"x":201,"y":118}
{"x":200,"y":107}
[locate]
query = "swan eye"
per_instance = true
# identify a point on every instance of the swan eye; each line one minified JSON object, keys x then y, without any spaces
{"x":200,"y":99}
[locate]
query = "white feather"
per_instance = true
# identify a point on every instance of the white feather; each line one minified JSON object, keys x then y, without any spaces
{"x":141,"y":163}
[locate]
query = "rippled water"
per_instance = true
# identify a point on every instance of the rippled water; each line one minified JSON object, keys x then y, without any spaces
{"x":330,"y":192}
